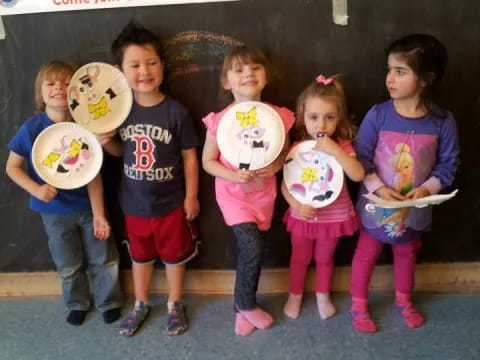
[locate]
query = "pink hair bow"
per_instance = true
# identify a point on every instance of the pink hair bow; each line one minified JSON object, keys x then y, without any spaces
{"x":320,"y":79}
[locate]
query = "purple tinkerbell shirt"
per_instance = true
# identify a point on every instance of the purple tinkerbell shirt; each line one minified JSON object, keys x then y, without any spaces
{"x":403,"y":154}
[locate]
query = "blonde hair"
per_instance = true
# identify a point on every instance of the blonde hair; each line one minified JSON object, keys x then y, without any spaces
{"x":242,"y":55}
{"x":333,"y":91}
{"x":52,"y":70}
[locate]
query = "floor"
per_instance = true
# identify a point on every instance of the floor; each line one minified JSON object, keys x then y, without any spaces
{"x":35,"y":328}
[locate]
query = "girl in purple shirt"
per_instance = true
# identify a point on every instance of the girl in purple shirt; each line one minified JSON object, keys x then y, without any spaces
{"x":409,"y":148}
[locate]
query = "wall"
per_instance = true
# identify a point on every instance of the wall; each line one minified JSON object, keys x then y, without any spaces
{"x":301,"y":39}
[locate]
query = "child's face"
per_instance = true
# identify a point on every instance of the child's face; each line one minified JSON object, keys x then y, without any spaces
{"x":321,"y":116}
{"x":143,"y":68}
{"x":402,"y":82}
{"x":54,"y":92}
{"x":246,"y":81}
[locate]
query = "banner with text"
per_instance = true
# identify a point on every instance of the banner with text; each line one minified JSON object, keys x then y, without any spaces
{"x":14,"y":7}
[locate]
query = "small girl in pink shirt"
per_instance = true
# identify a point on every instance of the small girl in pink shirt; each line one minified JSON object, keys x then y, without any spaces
{"x":248,"y":213}
{"x":321,"y":115}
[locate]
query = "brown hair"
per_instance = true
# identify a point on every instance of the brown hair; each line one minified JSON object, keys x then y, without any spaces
{"x":333,"y":91}
{"x":52,"y":70}
{"x":243,"y":55}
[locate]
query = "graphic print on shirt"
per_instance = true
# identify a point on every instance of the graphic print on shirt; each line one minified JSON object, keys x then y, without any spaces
{"x":394,"y":220}
{"x":253,"y":149}
{"x":146,"y":139}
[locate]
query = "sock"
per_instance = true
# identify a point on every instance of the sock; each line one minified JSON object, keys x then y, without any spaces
{"x":410,"y":314}
{"x":76,"y":317}
{"x":243,"y":327}
{"x":362,"y":321}
{"x":139,"y":303}
{"x":292,"y":306}
{"x":325,"y":306}
{"x":111,"y":315}
{"x":258,"y":318}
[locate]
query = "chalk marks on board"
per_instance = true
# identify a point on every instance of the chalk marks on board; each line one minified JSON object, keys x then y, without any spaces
{"x":194,"y":51}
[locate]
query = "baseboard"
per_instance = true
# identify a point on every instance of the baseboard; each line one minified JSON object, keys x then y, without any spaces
{"x":444,"y":277}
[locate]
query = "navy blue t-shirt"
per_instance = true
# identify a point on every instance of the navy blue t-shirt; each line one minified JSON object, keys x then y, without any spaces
{"x":66,"y":201}
{"x":153,"y":138}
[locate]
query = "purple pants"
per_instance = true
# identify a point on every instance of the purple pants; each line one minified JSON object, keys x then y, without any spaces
{"x":303,"y":250}
{"x":366,"y":254}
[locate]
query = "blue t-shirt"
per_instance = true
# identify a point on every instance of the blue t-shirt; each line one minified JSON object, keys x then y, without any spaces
{"x":153,"y":139}
{"x":66,"y":201}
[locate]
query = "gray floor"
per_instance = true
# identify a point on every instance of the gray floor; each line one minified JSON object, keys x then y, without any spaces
{"x":34,"y":328}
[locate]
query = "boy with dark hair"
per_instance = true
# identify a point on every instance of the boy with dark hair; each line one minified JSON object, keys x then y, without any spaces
{"x":160,"y":176}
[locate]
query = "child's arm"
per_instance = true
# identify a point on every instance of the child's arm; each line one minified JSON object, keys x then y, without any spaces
{"x":443,"y":172}
{"x":17,"y":173}
{"x":277,"y":164}
{"x":212,"y":166}
{"x":305,"y":211}
{"x":352,"y":167}
{"x":190,"y":169}
{"x":101,"y":228}
{"x":110,"y":143}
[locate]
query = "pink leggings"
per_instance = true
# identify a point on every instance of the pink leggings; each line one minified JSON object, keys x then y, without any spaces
{"x":303,"y":249}
{"x":366,"y":254}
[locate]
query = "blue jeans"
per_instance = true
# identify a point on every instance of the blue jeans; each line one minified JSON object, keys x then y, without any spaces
{"x":76,"y":251}
{"x":250,"y":249}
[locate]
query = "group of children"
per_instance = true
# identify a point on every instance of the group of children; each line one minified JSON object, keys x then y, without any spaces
{"x":406,"y":148}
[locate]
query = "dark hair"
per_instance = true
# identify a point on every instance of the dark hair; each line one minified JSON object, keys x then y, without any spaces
{"x":334,"y":92}
{"x":426,"y":56}
{"x":53,"y":70}
{"x":133,"y":34}
{"x":243,"y":55}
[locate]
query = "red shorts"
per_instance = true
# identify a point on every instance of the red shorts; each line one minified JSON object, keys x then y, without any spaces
{"x":169,"y":237}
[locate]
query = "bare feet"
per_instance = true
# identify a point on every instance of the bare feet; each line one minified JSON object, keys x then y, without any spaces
{"x":292,"y":306}
{"x":325,"y":306}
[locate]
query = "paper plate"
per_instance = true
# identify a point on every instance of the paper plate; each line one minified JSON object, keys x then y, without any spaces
{"x":250,"y":135}
{"x":312,"y":177}
{"x":67,"y":156}
{"x":99,"y":97}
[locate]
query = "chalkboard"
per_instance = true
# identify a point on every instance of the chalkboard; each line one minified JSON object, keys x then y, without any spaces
{"x":302,"y":41}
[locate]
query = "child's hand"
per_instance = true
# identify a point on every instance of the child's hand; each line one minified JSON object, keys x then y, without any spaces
{"x":418,"y":193}
{"x":191,"y":206}
{"x":306,"y":211}
{"x":242,"y":176}
{"x":389,"y":194}
{"x":101,"y":227}
{"x":267,"y":171}
{"x":106,"y":137}
{"x":326,"y":144}
{"x":45,"y":192}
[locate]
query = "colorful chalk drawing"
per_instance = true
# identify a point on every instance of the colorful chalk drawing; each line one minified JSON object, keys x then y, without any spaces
{"x":194,"y":51}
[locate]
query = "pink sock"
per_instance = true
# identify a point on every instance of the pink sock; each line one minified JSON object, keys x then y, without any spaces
{"x":411,"y":315}
{"x":362,"y":321}
{"x":257,"y":317}
{"x":243,"y":327}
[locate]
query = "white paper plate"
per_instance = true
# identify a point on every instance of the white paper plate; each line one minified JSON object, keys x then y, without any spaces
{"x":419,"y":203}
{"x":67,"y":156}
{"x":250,"y":135}
{"x":312,"y":177}
{"x":99,"y":97}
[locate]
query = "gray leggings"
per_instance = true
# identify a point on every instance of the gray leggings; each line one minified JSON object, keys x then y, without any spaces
{"x":250,"y":249}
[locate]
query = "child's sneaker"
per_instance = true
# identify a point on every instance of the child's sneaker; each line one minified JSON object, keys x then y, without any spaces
{"x":134,"y":319}
{"x":177,"y":321}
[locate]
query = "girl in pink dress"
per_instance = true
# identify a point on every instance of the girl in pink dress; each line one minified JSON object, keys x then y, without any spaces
{"x":321,"y":115}
{"x":246,"y":197}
